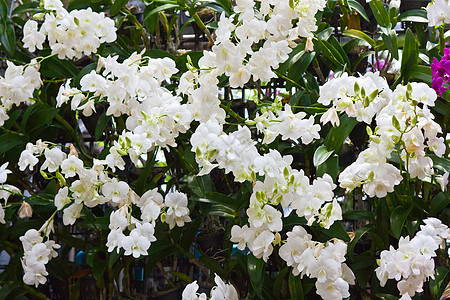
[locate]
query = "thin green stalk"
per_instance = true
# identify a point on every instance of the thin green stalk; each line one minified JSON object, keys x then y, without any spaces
{"x":232,"y":113}
{"x":441,"y":40}
{"x":201,"y":25}
{"x":288,"y":79}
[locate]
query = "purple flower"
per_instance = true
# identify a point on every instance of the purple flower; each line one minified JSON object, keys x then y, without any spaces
{"x":378,"y":65}
{"x":440,"y":71}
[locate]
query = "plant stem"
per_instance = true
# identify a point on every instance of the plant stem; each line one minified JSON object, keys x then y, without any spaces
{"x":201,"y":25}
{"x":441,"y":40}
{"x":232,"y":113}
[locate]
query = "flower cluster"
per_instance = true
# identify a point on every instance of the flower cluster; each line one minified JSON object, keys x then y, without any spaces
{"x":318,"y":260}
{"x":402,"y":123}
{"x":17,"y":86}
{"x":233,"y":152}
{"x":412,"y":263}
{"x":274,"y":122}
{"x":70,"y":34}
{"x":156,"y":117}
{"x":221,"y":291}
{"x":37,"y":254}
{"x":141,"y":232}
{"x":438,"y":13}
{"x":440,"y":71}
{"x":361,"y":97}
{"x":252,"y":48}
{"x":292,"y":190}
{"x":90,"y":187}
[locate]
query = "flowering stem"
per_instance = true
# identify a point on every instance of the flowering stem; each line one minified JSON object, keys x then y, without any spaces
{"x":232,"y":113}
{"x":228,"y":183}
{"x":288,"y":79}
{"x":48,"y":222}
{"x":441,"y":40}
{"x":200,"y":24}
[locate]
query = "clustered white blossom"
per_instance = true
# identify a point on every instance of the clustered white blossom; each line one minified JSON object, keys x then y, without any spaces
{"x":292,"y":190}
{"x":141,"y":232}
{"x":361,"y":97}
{"x":221,"y":291}
{"x":438,"y":12}
{"x":274,"y":122}
{"x":318,"y":260}
{"x":404,"y":129}
{"x":37,"y":254}
{"x":412,"y":263}
{"x":70,"y":34}
{"x":90,"y":187}
{"x":273,"y":27}
{"x":17,"y":86}
{"x":156,"y":117}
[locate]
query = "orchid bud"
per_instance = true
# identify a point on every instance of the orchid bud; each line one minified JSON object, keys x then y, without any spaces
{"x":25,"y":210}
{"x":73,"y":150}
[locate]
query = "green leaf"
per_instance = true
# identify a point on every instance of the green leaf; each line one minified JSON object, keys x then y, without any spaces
{"x":359,"y":35}
{"x":440,"y":163}
{"x":397,"y":219}
{"x":380,"y":13}
{"x":167,"y":6}
{"x":182,"y":60}
{"x":219,"y":198}
{"x":358,"y":235}
{"x":335,"y":43}
{"x":117,"y":6}
{"x":436,"y":284}
{"x":390,"y":40}
{"x":355,"y":5}
{"x":101,"y":125}
{"x":331,"y":53}
{"x":422,"y":73}
{"x":330,"y":166}
{"x":279,"y":282}
{"x":4,"y":7}
{"x":256,"y":270}
{"x":442,"y":107}
{"x":8,"y":39}
{"x":190,"y":233}
{"x":321,"y":155}
{"x":213,"y":265}
{"x":439,"y":202}
{"x":222,"y":211}
{"x":9,"y":141}
{"x":113,"y":257}
{"x":337,"y":135}
{"x":54,"y":67}
{"x":32,"y":7}
{"x":414,"y":15}
{"x":359,"y":214}
{"x":39,"y":117}
{"x":294,"y":56}
{"x":299,"y":67}
{"x":337,"y":230}
{"x":410,"y":55}
{"x":295,"y":287}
